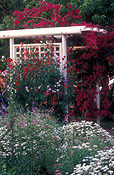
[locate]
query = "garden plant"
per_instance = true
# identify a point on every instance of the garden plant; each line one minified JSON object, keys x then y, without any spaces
{"x":36,"y":82}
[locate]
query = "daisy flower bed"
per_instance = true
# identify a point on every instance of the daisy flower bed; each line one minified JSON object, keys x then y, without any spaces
{"x":35,"y":143}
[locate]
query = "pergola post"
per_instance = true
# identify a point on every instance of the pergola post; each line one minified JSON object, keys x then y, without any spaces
{"x":98,"y":101}
{"x":64,"y":54}
{"x":11,"y":47}
{"x":64,"y":47}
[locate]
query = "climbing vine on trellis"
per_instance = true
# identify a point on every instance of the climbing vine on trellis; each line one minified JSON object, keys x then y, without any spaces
{"x":89,"y":67}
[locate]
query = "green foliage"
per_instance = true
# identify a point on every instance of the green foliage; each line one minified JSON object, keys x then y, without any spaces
{"x":98,"y":12}
{"x":93,"y":11}
{"x":34,"y":143}
{"x":2,"y":66}
{"x":36,"y":81}
{"x":6,"y":11}
{"x":4,"y":43}
{"x":63,"y":2}
{"x":111,"y":98}
{"x":8,"y":7}
{"x":26,"y":141}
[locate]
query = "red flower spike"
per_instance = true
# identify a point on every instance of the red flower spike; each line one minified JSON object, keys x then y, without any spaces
{"x":17,"y":83}
{"x":66,"y":86}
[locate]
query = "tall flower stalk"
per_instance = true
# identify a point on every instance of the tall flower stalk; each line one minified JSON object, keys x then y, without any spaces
{"x":37,"y":82}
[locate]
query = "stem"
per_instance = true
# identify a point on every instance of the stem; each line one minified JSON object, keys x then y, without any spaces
{"x":32,"y":169}
{"x":12,"y":138}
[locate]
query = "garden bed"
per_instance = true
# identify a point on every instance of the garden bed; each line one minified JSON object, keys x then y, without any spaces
{"x":36,"y":143}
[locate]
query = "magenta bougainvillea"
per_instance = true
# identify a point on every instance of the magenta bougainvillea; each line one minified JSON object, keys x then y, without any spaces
{"x":92,"y":66}
{"x":45,"y":15}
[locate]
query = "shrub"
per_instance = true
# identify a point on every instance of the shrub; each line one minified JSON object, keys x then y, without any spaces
{"x":36,"y":81}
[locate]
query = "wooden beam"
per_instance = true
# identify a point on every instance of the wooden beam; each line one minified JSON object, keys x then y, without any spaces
{"x":77,"y":47}
{"x":41,"y":32}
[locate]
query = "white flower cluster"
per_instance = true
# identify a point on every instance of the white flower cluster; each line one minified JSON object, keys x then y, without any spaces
{"x":78,"y":133}
{"x":68,"y":145}
{"x":102,"y":163}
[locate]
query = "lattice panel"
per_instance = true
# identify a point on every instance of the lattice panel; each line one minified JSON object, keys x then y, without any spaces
{"x":57,"y":50}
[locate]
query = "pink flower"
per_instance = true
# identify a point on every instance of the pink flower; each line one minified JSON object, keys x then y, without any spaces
{"x":45,"y":102}
{"x":58,"y":164}
{"x":73,"y":152}
{"x":7,"y":123}
{"x":22,"y":122}
{"x":25,"y":26}
{"x":43,"y":126}
{"x":57,"y":170}
{"x":52,"y":109}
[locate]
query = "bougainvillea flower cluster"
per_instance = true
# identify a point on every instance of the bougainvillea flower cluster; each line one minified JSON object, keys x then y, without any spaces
{"x":90,"y":66}
{"x":45,"y":15}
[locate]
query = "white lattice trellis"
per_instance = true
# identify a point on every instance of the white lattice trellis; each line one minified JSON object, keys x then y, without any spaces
{"x":57,"y":51}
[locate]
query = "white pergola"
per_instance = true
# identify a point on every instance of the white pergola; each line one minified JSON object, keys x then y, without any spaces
{"x":62,"y":32}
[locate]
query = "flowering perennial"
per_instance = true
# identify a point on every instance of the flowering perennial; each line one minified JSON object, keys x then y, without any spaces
{"x":37,"y":136}
{"x":36,"y":81}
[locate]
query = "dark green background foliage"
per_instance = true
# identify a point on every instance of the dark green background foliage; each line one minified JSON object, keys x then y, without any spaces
{"x":95,"y":11}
